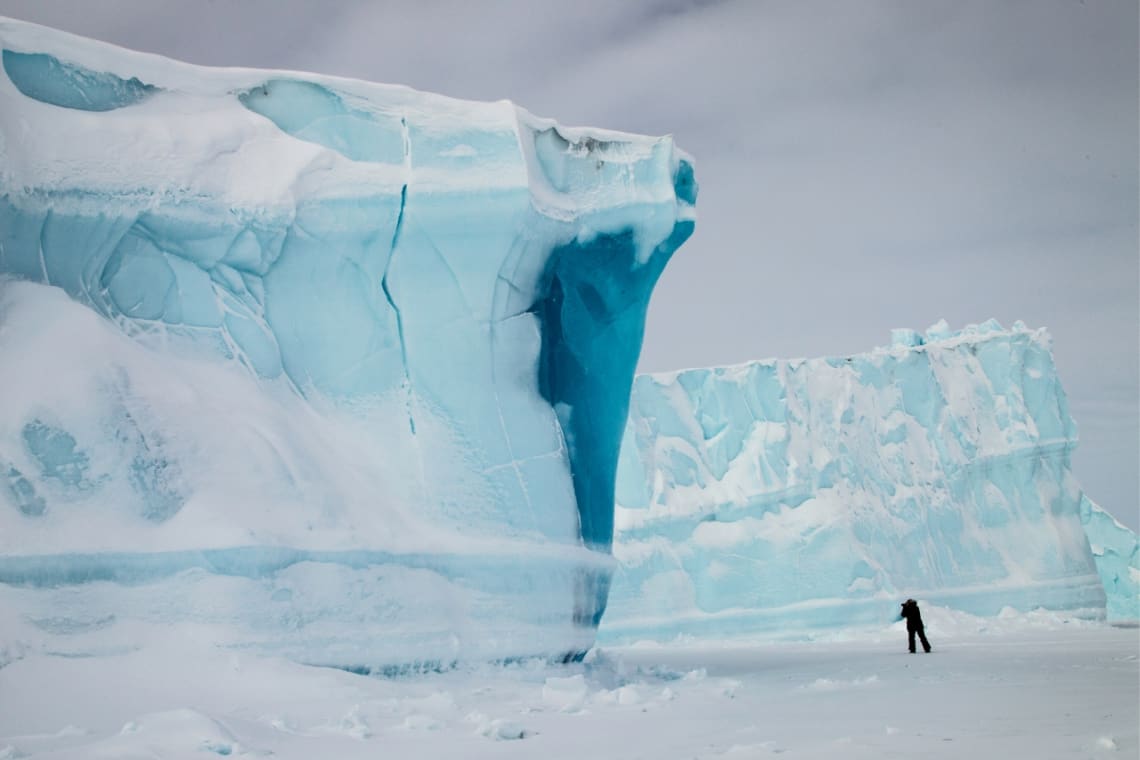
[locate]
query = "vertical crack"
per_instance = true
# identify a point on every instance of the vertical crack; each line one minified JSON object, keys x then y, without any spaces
{"x":392,"y":302}
{"x":387,"y":270}
{"x":43,"y":244}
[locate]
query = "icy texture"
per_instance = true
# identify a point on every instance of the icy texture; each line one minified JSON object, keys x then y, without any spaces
{"x":1117,"y":553}
{"x":784,"y":495}
{"x":345,"y":366}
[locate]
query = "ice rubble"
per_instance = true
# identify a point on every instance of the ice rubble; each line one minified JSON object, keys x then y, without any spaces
{"x":345,"y":368}
{"x":788,"y":495}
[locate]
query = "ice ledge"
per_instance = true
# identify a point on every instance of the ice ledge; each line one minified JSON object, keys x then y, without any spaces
{"x":272,"y":139}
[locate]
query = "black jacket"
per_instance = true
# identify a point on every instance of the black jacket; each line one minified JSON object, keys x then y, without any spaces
{"x":912,"y":615}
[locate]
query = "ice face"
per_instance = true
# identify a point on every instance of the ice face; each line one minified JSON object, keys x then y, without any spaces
{"x":372,"y":336}
{"x":784,"y":495}
{"x":1117,"y":552}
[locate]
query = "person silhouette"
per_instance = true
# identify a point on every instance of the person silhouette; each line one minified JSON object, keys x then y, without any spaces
{"x":914,"y":625}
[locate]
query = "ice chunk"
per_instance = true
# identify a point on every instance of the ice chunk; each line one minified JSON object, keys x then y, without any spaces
{"x":904,"y":337}
{"x":940,"y":330}
{"x":1117,"y":553}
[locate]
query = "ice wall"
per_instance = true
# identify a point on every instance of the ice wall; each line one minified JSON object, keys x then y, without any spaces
{"x":344,"y":368}
{"x":1117,"y":552}
{"x":784,"y":495}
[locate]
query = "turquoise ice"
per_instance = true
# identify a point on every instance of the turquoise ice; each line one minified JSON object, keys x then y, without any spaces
{"x":379,"y":337}
{"x":1117,"y":552}
{"x":783,"y":496}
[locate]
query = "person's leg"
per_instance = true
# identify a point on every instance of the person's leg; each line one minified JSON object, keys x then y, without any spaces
{"x":922,"y":637}
{"x":910,"y":638}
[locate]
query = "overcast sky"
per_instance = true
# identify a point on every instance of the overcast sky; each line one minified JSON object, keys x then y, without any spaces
{"x":863,"y":164}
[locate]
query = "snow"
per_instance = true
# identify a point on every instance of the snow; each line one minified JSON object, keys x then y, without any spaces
{"x":1020,"y":685}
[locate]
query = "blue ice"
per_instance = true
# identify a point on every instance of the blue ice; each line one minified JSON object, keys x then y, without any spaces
{"x":445,"y":299}
{"x":786,"y":496}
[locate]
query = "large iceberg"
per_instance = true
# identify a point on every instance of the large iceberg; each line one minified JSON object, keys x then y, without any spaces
{"x":783,"y":496}
{"x":332,"y":369}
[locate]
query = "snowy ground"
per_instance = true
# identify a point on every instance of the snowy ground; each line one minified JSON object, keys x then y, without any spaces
{"x":1016,"y":686}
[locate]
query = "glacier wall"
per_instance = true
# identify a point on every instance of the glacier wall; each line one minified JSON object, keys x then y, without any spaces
{"x":322,"y":341}
{"x":780,"y":496}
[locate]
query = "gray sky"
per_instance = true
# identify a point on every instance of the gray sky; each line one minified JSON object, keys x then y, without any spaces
{"x":863,"y":165}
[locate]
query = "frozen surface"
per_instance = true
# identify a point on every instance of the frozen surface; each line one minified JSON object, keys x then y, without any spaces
{"x":789,"y":495}
{"x":1034,"y":686}
{"x":341,"y":368}
{"x":1117,"y":553}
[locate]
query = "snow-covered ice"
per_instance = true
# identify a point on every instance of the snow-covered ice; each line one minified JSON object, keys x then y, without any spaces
{"x":1017,"y":685}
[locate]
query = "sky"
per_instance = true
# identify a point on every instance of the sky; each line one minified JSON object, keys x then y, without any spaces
{"x":863,"y":165}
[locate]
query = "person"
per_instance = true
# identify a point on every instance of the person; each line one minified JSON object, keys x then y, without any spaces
{"x":914,"y":625}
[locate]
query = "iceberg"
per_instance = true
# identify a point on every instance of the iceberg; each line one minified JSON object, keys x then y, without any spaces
{"x":331,"y":369}
{"x":779,"y":497}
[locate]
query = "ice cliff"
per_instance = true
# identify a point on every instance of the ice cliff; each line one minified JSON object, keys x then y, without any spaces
{"x":341,"y":370}
{"x":1117,"y":553}
{"x":780,"y":496}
